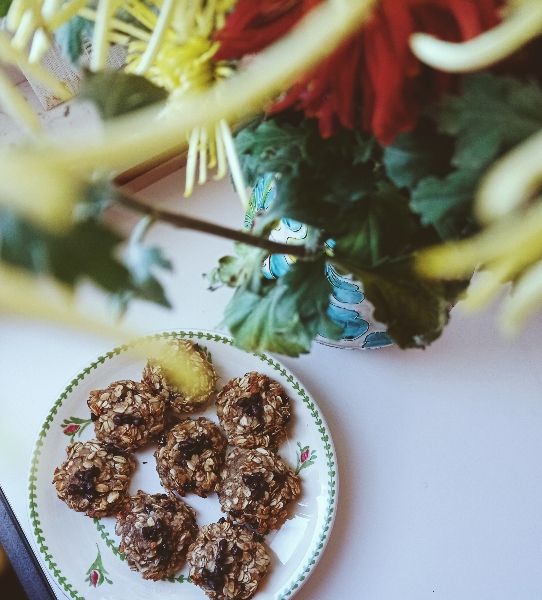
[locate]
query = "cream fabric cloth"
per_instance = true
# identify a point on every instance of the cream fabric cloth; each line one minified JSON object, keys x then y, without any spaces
{"x":55,"y":62}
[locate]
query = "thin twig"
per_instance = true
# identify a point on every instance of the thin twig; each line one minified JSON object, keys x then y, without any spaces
{"x":185,"y":222}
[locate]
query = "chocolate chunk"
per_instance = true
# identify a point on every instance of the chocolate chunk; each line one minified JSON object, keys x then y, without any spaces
{"x":154,"y":532}
{"x":212,"y":581}
{"x":279,"y":478}
{"x":188,"y":448}
{"x":252,"y":406}
{"x":170,"y":507}
{"x":256,"y":484}
{"x":125,"y":419}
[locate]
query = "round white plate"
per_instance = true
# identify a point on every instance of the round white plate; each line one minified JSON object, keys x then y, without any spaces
{"x":81,"y":553}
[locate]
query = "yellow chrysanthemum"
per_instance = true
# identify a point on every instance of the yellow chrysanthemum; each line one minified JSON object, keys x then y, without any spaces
{"x":183,"y":63}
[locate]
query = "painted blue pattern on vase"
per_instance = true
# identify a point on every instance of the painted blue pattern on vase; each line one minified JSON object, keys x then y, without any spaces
{"x":344,"y":291}
{"x":350,"y":320}
{"x":294,"y":226}
{"x":276,"y":266}
{"x":377,"y":339}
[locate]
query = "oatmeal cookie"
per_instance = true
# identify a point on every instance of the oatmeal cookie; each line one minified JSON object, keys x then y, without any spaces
{"x":126,"y":414}
{"x":254,"y":411}
{"x":155,"y":532}
{"x":191,"y":457}
{"x":257,"y":486}
{"x":195,"y":378}
{"x":227,"y":562}
{"x":94,"y":478}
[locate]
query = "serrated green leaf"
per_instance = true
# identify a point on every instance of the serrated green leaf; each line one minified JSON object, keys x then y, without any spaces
{"x":446,"y":204}
{"x":492,"y":114}
{"x":116,"y":93}
{"x":87,"y":251}
{"x":272,"y":147}
{"x":416,"y":155}
{"x":382,"y":226}
{"x":283,"y":315}
{"x":317,"y":180}
{"x":414,"y":310}
{"x":243,"y":269}
{"x":142,"y":261}
{"x":98,"y":197}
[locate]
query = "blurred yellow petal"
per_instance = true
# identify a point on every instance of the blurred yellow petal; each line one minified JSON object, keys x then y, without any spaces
{"x":157,"y":37}
{"x":524,"y":24}
{"x":25,"y":295}
{"x":511,"y":181}
{"x":524,"y":300}
{"x":485,"y":286}
{"x":16,"y":106}
{"x":135,"y":138}
{"x":36,"y":188}
{"x":100,"y":46}
{"x":459,"y":259}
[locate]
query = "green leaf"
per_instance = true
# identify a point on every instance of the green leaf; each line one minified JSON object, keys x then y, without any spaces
{"x":446,"y":204}
{"x":142,"y":260}
{"x":272,"y":147}
{"x":414,"y":310}
{"x":98,"y":197}
{"x":4,"y":7}
{"x":492,"y":114}
{"x":382,"y":226}
{"x":87,"y":251}
{"x":116,"y":93}
{"x":317,"y":180}
{"x":416,"y":155}
{"x":72,"y":36}
{"x":243,"y":269}
{"x":283,"y":315}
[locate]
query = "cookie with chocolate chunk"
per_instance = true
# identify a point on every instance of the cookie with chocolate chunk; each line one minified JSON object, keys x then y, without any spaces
{"x":257,"y":487}
{"x":156,"y":531}
{"x":94,"y":478}
{"x":126,"y":414}
{"x":253,"y":410}
{"x":183,"y":375}
{"x":191,"y":457}
{"x":227,"y":562}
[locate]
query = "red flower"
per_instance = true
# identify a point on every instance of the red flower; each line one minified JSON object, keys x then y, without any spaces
{"x":304,"y":455}
{"x":254,"y":25}
{"x":71,"y":428}
{"x":372,"y":80}
{"x":94,"y":578}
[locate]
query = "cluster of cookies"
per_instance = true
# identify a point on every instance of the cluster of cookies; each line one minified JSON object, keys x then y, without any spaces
{"x":238,"y":461}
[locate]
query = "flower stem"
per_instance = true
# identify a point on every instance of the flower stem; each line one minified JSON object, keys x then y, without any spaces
{"x":183,"y":221}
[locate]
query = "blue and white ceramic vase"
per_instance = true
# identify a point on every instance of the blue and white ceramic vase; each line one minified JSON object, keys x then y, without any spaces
{"x":348,"y":306}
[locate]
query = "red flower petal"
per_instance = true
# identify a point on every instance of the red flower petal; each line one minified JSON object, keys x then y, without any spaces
{"x":372,"y":80}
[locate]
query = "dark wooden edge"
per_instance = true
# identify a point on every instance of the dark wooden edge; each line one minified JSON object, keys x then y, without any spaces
{"x":147,"y":173}
{"x":21,"y":555}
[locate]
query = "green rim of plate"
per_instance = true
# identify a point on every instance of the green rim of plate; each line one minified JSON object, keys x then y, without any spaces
{"x":331,"y":462}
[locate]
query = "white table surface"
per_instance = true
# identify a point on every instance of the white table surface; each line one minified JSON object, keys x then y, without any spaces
{"x":439,"y":451}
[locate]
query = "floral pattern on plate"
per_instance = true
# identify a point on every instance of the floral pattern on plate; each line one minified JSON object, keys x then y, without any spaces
{"x":82,"y":554}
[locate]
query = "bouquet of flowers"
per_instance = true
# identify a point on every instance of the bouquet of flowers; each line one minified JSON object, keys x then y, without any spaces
{"x":404,"y":136}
